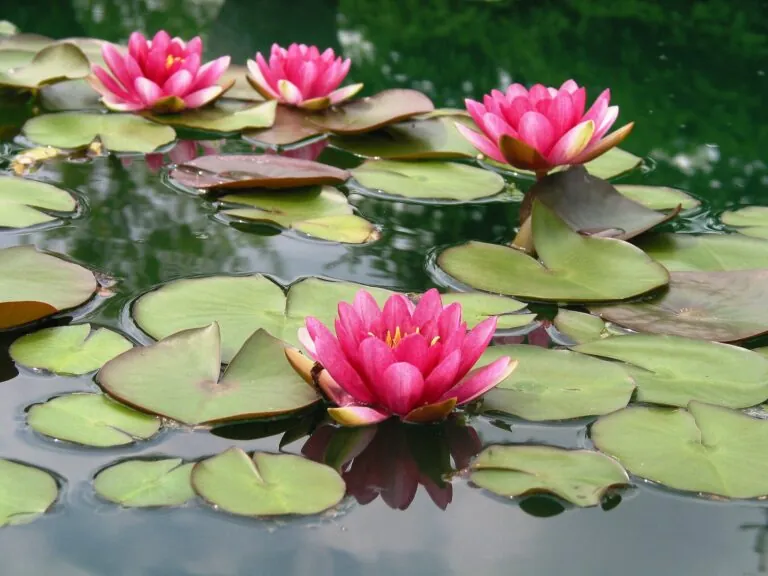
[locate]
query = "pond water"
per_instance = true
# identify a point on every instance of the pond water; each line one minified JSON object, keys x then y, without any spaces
{"x":692,"y":77}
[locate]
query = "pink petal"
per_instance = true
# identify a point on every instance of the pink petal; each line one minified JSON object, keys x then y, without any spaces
{"x":195,"y":46}
{"x":121,"y":105}
{"x":475,"y":343}
{"x":368,"y":309}
{"x":161,"y":41}
{"x":515,"y":110}
{"x":429,"y":307}
{"x":375,"y":357}
{"x":154,"y":66}
{"x":480,"y":380}
{"x":289,"y":93}
{"x":442,"y":378}
{"x":329,"y":354}
{"x":561,"y":114}
{"x":413,"y":349}
{"x":344,"y":94}
{"x":257,"y":76}
{"x":516,"y":91}
{"x":449,"y":320}
{"x":266,"y":72}
{"x":306,"y":340}
{"x":178,"y":84}
{"x":351,"y":321}
{"x":401,"y":385}
{"x":608,"y":119}
{"x":202,"y":97}
{"x":477,"y":111}
{"x":455,"y":340}
{"x":396,"y":314}
{"x":579,"y":98}
{"x":109,"y":86}
{"x":306,"y":81}
{"x":210,"y":73}
{"x":538,"y":92}
{"x":137,"y":47}
{"x":569,"y":86}
{"x":597,"y":110}
{"x":357,"y":415}
{"x":431,"y":412}
{"x":349,"y":345}
{"x":537,"y":132}
{"x":191,"y":64}
{"x":440,"y":495}
{"x":148,"y":91}
{"x":333,"y":392}
{"x":481,"y":142}
{"x":573,"y":143}
{"x":115,"y":61}
{"x":495,"y":126}
{"x":602,"y":146}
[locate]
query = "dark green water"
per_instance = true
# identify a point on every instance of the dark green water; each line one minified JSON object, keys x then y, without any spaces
{"x":693,"y":77}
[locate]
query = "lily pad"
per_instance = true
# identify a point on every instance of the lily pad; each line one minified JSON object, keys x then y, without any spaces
{"x":268,"y":484}
{"x":428,"y":180}
{"x":436,"y":138}
{"x":556,"y":384}
{"x":117,"y":132}
{"x":750,"y":221}
{"x":291,"y":125}
{"x":673,"y":370}
{"x":658,"y":197}
{"x":582,"y":477}
{"x":367,"y":114}
{"x":26,"y":202}
{"x":573,"y":268}
{"x":242,"y":89}
{"x":223,"y":117}
{"x":76,"y":349}
{"x":91,"y":420}
{"x":26,"y":492}
{"x":706,"y":449}
{"x":60,"y":61}
{"x":70,"y":95}
{"x":34,"y":285}
{"x":143,"y":483}
{"x":614,"y":163}
{"x":706,"y":252}
{"x":349,"y":229}
{"x":579,"y":326}
{"x":720,"y":306}
{"x":232,"y":172}
{"x":179,"y":378}
{"x":592,"y":205}
{"x":476,"y":307}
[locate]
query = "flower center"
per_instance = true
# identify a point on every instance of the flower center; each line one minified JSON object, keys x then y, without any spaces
{"x":171,"y":60}
{"x":393,"y":340}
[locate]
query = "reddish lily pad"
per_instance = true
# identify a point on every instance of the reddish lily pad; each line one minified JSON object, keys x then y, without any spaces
{"x":291,"y":125}
{"x":233,"y":172}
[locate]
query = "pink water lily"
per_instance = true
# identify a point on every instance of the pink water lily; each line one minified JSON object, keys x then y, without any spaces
{"x":162,"y":75}
{"x":405,"y":360}
{"x":544,"y":127}
{"x":301,"y":76}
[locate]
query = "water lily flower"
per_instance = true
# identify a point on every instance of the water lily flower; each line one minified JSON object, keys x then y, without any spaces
{"x":541,"y":128}
{"x":301,"y":76}
{"x":162,"y":75}
{"x":410,"y":361}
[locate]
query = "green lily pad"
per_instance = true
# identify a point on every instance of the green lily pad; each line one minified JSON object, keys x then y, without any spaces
{"x":26,"y":492}
{"x":706,"y":449}
{"x":70,"y":95}
{"x":658,"y":197}
{"x":76,"y":349}
{"x":582,"y":477}
{"x":614,"y":163}
{"x":476,"y":307}
{"x":556,"y":384}
{"x":60,"y":61}
{"x":750,"y":221}
{"x":673,"y":370}
{"x":720,"y":306}
{"x":233,"y":172}
{"x":23,"y":202}
{"x":179,"y":378}
{"x":436,"y":138}
{"x":117,"y":132}
{"x":573,"y":268}
{"x":223,"y":117}
{"x":428,"y":180}
{"x":267,"y":485}
{"x":706,"y":252}
{"x":34,"y":285}
{"x":367,"y":114}
{"x":242,"y":89}
{"x":91,"y":420}
{"x":291,"y":125}
{"x":8,"y":28}
{"x":580,"y":327}
{"x":143,"y":483}
{"x":348,"y":229}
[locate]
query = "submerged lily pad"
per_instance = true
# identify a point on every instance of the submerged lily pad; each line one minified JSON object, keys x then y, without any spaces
{"x":706,"y":449}
{"x":234,"y":171}
{"x":24,"y":202}
{"x":223,"y":118}
{"x":268,"y":484}
{"x":60,"y":61}
{"x":658,"y":197}
{"x":143,"y":483}
{"x":582,"y":477}
{"x":573,"y":268}
{"x":706,"y":252}
{"x":291,"y":125}
{"x":26,"y":492}
{"x":579,"y":326}
{"x":117,"y":132}
{"x":429,"y":180}
{"x":179,"y":378}
{"x":367,"y":114}
{"x":673,"y":370}
{"x":721,"y":306}
{"x":91,"y":420}
{"x":556,"y":384}
{"x":34,"y":285}
{"x":76,"y":349}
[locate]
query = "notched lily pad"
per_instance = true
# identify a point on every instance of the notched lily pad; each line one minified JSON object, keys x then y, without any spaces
{"x":658,"y":197}
{"x":26,"y":492}
{"x":225,"y":118}
{"x":267,"y":484}
{"x":91,"y":420}
{"x":55,"y":62}
{"x":706,"y":252}
{"x":146,"y":483}
{"x":26,"y":202}
{"x":581,"y":477}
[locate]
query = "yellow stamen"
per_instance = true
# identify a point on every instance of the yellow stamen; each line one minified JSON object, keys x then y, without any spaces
{"x":171,"y":60}
{"x":434,"y":340}
{"x":393,"y":341}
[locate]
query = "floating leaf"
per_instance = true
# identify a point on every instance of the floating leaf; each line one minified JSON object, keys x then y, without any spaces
{"x":223,"y":118}
{"x":556,"y":384}
{"x":229,"y":172}
{"x":179,"y":378}
{"x":73,"y":349}
{"x":349,"y":229}
{"x":22,"y":200}
{"x":267,"y":485}
{"x":26,"y":492}
{"x":60,"y":61}
{"x":34,"y":285}
{"x":706,"y":252}
{"x":70,"y":95}
{"x":242,"y":89}
{"x":367,"y":114}
{"x":751,"y":221}
{"x":91,"y":420}
{"x":428,"y":180}
{"x":578,"y":326}
{"x":706,"y":449}
{"x":143,"y":483}
{"x":476,"y":307}
{"x":614,"y":163}
{"x":117,"y":132}
{"x":291,"y":125}
{"x":573,"y":268}
{"x":673,"y":370}
{"x":658,"y":197}
{"x":582,"y":477}
{"x":720,"y":306}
